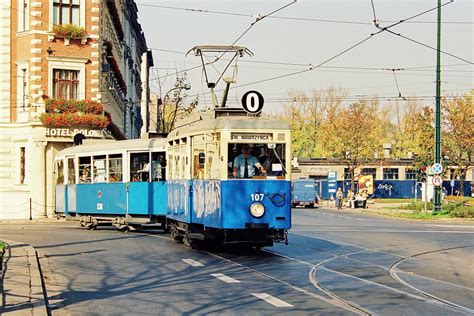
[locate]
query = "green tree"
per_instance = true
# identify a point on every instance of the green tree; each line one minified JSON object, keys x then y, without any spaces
{"x":354,"y":134}
{"x":412,"y":133}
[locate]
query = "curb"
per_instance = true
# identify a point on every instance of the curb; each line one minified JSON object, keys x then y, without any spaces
{"x":34,"y":221}
{"x":22,"y":290}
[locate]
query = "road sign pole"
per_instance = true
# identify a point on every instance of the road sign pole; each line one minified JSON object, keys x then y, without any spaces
{"x":437,"y":189}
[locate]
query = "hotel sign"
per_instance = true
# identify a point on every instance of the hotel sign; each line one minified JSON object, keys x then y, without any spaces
{"x":70,"y":132}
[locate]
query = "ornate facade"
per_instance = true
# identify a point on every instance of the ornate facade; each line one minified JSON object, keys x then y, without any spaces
{"x":87,"y":50}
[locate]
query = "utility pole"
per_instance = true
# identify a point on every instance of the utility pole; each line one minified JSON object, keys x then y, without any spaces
{"x":437,"y":153}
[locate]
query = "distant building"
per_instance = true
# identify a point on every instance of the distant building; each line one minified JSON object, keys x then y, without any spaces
{"x":383,"y":169}
{"x":88,"y":50}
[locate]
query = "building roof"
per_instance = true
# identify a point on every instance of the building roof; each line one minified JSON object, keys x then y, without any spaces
{"x":115,"y":146}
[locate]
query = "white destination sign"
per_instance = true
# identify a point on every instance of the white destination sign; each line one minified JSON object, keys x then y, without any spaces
{"x":251,"y":136}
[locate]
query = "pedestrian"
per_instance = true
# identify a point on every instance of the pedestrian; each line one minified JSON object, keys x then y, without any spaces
{"x":350,"y":201}
{"x":365,"y":196}
{"x":245,"y":164}
{"x":339,"y":197}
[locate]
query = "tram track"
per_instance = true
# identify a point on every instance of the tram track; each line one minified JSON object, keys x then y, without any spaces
{"x":393,"y":273}
{"x":332,"y":297}
{"x":426,"y":297}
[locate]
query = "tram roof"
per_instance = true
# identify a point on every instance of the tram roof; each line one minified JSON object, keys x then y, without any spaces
{"x":206,"y":122}
{"x":119,"y":145}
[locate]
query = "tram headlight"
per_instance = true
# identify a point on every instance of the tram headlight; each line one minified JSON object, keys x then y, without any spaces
{"x":257,"y":209}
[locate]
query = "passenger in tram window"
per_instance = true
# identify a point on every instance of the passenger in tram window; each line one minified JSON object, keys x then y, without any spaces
{"x":85,"y":176}
{"x":270,"y":159}
{"x":245,"y":164}
{"x":156,"y":170}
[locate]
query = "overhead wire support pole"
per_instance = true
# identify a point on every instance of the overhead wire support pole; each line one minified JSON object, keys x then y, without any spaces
{"x":437,"y":150}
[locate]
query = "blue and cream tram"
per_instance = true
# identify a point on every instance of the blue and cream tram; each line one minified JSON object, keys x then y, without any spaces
{"x":118,"y":182}
{"x":210,"y":197}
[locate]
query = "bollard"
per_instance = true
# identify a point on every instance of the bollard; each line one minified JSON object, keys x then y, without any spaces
{"x":31,"y":218}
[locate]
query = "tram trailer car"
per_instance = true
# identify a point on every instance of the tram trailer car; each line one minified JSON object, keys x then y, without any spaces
{"x":113,"y":182}
{"x":207,"y":202}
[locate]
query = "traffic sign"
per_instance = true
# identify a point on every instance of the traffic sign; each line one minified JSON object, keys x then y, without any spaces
{"x":252,"y":102}
{"x":332,"y":182}
{"x":437,"y":181}
{"x":437,"y":168}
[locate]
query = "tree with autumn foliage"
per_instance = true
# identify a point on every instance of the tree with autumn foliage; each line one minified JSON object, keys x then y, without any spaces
{"x":412,"y":133}
{"x":354,"y":134}
{"x":458,"y":134}
{"x":306,"y":114}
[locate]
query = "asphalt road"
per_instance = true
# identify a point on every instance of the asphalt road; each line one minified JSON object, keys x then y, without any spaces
{"x":336,"y":263}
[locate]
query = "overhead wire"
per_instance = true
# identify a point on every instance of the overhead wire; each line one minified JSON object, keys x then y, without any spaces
{"x":430,"y":47}
{"x":382,"y":29}
{"x":287,"y":17}
{"x":258,"y":18}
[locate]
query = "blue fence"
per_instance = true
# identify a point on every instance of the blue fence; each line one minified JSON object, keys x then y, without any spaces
{"x":396,"y":189}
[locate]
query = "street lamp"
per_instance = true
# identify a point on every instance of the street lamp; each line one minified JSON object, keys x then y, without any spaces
{"x":161,"y":114}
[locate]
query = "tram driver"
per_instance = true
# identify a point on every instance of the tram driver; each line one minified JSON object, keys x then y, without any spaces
{"x":245,"y":164}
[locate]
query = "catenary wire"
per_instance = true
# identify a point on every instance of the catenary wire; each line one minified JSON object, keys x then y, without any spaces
{"x":430,"y":47}
{"x":287,"y":17}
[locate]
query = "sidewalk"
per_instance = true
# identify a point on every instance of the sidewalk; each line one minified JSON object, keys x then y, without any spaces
{"x":393,"y":209}
{"x":22,"y":291}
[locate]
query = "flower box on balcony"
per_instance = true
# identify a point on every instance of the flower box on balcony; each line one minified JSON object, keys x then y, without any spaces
{"x":74,"y":113}
{"x":68,"y":32}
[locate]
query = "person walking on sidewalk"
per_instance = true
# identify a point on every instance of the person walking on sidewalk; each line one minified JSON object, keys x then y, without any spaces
{"x":339,"y":197}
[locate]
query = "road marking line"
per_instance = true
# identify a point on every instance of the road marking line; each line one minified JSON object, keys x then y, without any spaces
{"x":272,"y":300}
{"x":225,"y":278}
{"x":193,"y":263}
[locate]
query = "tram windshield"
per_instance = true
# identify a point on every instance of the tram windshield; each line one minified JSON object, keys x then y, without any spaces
{"x":248,"y":160}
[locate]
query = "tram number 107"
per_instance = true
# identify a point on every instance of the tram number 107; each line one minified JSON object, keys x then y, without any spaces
{"x":257,"y":196}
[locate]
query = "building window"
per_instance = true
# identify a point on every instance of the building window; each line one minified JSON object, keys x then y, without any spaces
{"x":23,"y":15}
{"x":370,"y":171}
{"x":390,"y":173}
{"x":410,"y":174}
{"x":65,"y":84}
{"x":22,"y":165}
{"x":347,"y":174}
{"x":22,"y":92}
{"x":66,"y":12}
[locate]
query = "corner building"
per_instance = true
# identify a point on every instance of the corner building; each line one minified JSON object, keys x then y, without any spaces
{"x":81,"y":50}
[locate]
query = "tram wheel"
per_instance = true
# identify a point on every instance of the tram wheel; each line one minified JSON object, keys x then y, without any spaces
{"x":174,"y":233}
{"x":191,"y":243}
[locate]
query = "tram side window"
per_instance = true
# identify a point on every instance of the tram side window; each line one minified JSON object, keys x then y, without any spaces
{"x":100,"y":172}
{"x":71,"y":171}
{"x":115,"y":168}
{"x":84,"y":169}
{"x":158,"y":167}
{"x":59,"y":172}
{"x":213,"y":161}
{"x":138,"y":164}
{"x":199,"y":160}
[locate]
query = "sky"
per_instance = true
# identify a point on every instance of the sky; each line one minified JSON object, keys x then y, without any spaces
{"x":302,"y":36}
